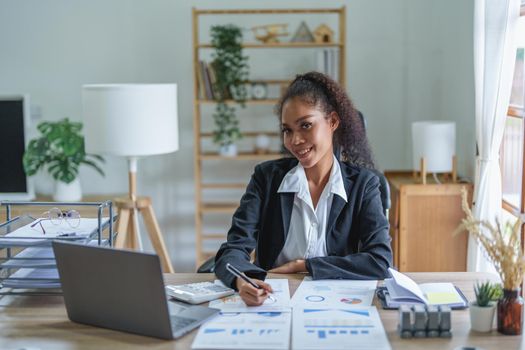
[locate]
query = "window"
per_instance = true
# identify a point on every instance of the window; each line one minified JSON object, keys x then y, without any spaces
{"x":512,"y":154}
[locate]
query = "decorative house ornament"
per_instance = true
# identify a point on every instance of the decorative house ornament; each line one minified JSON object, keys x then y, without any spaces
{"x":323,"y":34}
{"x":269,"y":33}
{"x":303,"y":34}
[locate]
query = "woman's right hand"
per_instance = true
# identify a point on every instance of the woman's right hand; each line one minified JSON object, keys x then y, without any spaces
{"x":251,"y":295}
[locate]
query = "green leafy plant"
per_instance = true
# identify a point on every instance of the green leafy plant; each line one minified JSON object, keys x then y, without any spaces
{"x":485,"y":293}
{"x":498,"y":292}
{"x":61,"y":150}
{"x":231,"y":71}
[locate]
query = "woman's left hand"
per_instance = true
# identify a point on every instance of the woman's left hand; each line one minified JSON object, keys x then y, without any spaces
{"x":291,"y":267}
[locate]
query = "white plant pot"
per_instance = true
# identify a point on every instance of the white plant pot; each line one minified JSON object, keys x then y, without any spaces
{"x":71,"y":192}
{"x":229,"y":150}
{"x":482,"y":317}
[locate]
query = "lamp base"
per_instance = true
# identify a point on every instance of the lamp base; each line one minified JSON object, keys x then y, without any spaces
{"x":422,"y":174}
{"x":127,"y":230}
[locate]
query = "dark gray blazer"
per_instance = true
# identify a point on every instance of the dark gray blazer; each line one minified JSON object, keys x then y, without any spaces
{"x":357,"y":238}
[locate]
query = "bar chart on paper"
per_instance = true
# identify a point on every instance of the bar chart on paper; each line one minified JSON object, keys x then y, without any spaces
{"x":337,"y":328}
{"x":248,"y":330}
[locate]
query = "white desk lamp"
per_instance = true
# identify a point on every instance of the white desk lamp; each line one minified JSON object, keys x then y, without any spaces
{"x":132,"y":120}
{"x":434,"y":148}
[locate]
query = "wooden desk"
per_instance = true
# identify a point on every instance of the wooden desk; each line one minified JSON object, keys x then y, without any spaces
{"x":42,"y":323}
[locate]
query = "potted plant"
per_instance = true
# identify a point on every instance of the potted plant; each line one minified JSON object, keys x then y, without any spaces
{"x":503,"y":248}
{"x":231,"y":72}
{"x":60,"y":149}
{"x":482,"y":310}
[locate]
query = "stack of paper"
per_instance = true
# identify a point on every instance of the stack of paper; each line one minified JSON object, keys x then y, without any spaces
{"x":31,"y":236}
{"x":327,"y":314}
{"x":239,"y":326}
{"x":33,"y":278}
{"x":32,"y":257}
{"x":36,"y":268}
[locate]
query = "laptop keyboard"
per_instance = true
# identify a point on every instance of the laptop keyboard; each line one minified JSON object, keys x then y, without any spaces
{"x":178,"y":322}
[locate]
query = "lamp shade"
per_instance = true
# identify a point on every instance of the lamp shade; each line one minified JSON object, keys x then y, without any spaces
{"x":435,"y":140}
{"x":130,"y":120}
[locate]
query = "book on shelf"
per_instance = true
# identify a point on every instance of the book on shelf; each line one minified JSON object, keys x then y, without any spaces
{"x":328,"y":62}
{"x":212,"y":78}
{"x":200,"y":82}
{"x":207,"y":78}
{"x":208,"y":91}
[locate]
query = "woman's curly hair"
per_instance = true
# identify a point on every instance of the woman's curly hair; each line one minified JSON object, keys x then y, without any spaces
{"x":317,"y":89}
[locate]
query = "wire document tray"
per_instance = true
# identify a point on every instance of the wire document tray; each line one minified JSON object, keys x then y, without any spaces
{"x":27,"y":262}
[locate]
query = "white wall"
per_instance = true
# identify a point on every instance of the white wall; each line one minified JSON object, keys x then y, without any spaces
{"x":407,"y":60}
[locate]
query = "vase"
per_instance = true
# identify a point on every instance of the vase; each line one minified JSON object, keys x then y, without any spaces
{"x":229,"y":150}
{"x":482,"y":317}
{"x":71,"y":192}
{"x":510,"y":312}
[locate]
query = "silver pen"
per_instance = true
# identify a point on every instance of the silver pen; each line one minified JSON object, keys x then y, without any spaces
{"x":234,"y":271}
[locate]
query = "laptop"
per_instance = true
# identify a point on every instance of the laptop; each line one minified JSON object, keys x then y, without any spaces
{"x":122,"y":290}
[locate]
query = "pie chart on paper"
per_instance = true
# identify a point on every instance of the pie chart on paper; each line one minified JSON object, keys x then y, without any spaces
{"x":352,"y":301}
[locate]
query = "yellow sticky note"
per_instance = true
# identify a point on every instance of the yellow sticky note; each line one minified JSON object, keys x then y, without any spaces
{"x":442,"y":298}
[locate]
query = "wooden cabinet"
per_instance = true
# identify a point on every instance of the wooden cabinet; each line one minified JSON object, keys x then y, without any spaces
{"x":423,"y":219}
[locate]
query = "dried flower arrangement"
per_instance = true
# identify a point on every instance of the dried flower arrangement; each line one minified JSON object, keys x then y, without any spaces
{"x":502,"y":245}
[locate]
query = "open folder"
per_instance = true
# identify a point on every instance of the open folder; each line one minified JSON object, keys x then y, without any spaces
{"x":401,"y":290}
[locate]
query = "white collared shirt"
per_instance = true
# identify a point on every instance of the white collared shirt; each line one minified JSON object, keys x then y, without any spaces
{"x":307,"y":233}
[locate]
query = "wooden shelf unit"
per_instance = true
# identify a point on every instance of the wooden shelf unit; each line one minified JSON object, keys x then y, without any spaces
{"x":241,"y":156}
{"x":202,"y":207}
{"x":277,"y":45}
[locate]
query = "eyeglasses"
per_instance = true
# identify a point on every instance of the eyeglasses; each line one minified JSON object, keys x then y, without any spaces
{"x":55,"y":215}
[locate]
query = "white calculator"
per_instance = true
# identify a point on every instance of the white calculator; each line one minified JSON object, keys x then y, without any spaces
{"x":196,"y":293}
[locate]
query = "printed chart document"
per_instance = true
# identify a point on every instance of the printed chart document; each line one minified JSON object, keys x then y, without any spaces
{"x":334,"y":293}
{"x":338,"y":328}
{"x":39,"y":257}
{"x":281,"y":302}
{"x":32,"y":257}
{"x":28,"y":236}
{"x":249,"y":330}
{"x":403,"y":290}
{"x":33,"y":278}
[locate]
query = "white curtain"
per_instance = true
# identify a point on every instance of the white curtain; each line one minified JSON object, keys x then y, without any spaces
{"x":494,"y":59}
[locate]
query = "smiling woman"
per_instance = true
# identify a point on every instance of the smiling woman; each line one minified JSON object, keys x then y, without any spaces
{"x":310,"y":212}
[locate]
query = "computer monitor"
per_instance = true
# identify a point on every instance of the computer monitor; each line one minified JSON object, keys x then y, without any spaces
{"x":14,"y":123}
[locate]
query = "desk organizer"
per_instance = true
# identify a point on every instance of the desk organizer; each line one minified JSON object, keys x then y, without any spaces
{"x":27,"y":265}
{"x":420,"y":321}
